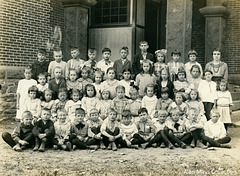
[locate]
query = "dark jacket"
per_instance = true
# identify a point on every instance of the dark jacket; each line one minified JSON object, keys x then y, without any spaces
{"x":40,"y":128}
{"x":170,"y":86}
{"x":136,"y":62}
{"x":119,"y":67}
{"x":21,"y":131}
{"x":55,"y":87}
{"x":39,"y":67}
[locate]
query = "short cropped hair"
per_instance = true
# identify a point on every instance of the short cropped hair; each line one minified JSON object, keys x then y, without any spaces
{"x":79,"y":111}
{"x":120,"y":87}
{"x":106,"y":50}
{"x":141,"y":110}
{"x":74,"y":48}
{"x":42,"y":51}
{"x":143,"y":42}
{"x":176,"y":52}
{"x":207,"y":71}
{"x":125,"y":48}
{"x":27,"y":113}
{"x":92,"y":50}
{"x":192,"y":52}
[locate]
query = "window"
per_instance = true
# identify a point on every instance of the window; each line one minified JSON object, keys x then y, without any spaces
{"x":110,"y":12}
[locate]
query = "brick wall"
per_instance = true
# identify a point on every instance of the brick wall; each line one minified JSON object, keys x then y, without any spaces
{"x":26,"y":25}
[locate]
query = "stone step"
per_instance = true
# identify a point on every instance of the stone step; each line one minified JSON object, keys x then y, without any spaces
{"x":236,"y":105}
{"x":235,"y":95}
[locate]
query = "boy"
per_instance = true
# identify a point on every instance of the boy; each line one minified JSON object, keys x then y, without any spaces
{"x":57,"y":82}
{"x":146,"y":129}
{"x":105,"y":63}
{"x":40,"y":65}
{"x":92,"y":52}
{"x":137,"y":59}
{"x":22,"y":136}
{"x":57,"y":55}
{"x":76,"y":62}
{"x":43,"y":131}
{"x":122,"y":63}
{"x":214,"y":131}
{"x":62,"y":132}
{"x":120,"y":103}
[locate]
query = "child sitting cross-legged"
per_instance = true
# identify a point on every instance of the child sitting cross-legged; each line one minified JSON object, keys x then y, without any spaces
{"x":22,"y":136}
{"x":110,"y":130}
{"x":62,"y":132}
{"x":43,"y":131}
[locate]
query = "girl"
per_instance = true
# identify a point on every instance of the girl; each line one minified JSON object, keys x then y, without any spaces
{"x":85,"y":79}
{"x":149,"y":101}
{"x":111,"y":83}
{"x":194,"y":102}
{"x":47,"y":101}
{"x":104,"y":103}
{"x":223,"y":103}
{"x":72,"y":83}
{"x":32,"y":103}
{"x":160,"y":64}
{"x":73,"y":104}
{"x":90,"y":100}
{"x":22,"y":91}
{"x":164,"y":101}
{"x":145,"y":77}
{"x":195,"y":77}
{"x":126,"y":81}
{"x":164,"y":81}
{"x":179,"y":105}
{"x":98,"y":76}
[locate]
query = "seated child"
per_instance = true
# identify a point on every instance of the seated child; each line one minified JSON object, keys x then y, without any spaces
{"x":126,"y":81}
{"x":72,"y":82}
{"x":43,"y":85}
{"x":195,"y":77}
{"x":22,"y":136}
{"x":215,"y":132}
{"x":110,"y":130}
{"x":85,"y":78}
{"x":98,"y":76}
{"x":164,"y":102}
{"x":194,"y":125}
{"x":134,"y":103}
{"x":43,"y":131}
{"x":47,"y":101}
{"x":177,"y":130}
{"x":62,"y":131}
{"x":104,"y":103}
{"x":146,"y":129}
{"x":128,"y":129}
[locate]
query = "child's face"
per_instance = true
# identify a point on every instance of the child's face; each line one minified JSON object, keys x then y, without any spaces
{"x":90,"y":91}
{"x":62,"y":96}
{"x":94,"y":116}
{"x":178,"y":98}
{"x":143,"y":47}
{"x":208,"y":76}
{"x":126,"y":75}
{"x":120,"y":93}
{"x":91,"y":56}
{"x":57,"y":56}
{"x":32,"y":94}
{"x":41,"y":57}
{"x":27,"y":120}
{"x":150,"y":91}
{"x":112,"y":116}
{"x":75,"y":97}
{"x":161,"y":118}
{"x":223,"y":86}
{"x":105,"y":95}
{"x":164,"y":95}
{"x":193,"y":116}
{"x":175,"y":57}
{"x":215,"y":117}
{"x":216,"y":56}
{"x":45,"y":115}
{"x":175,"y":116}
{"x":192,"y":57}
{"x":126,"y":120}
{"x":195,"y":73}
{"x":106,"y":55}
{"x":146,"y":67}
{"x":72,"y":75}
{"x":57,"y":73}
{"x":143,"y":116}
{"x":181,"y":76}
{"x":79,"y":117}
{"x":48,"y":96}
{"x":42,"y":80}
{"x":28,"y":74}
{"x":164,"y":75}
{"x":193,"y":95}
{"x":160,"y":57}
{"x":75,"y":53}
{"x":134,"y":95}
{"x":111,"y":74}
{"x":123,"y":54}
{"x":84,"y":74}
{"x":98,"y":78}
{"x":62,"y":116}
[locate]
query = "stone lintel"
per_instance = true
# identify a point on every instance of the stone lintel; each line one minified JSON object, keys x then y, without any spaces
{"x":215,"y":11}
{"x":83,"y":3}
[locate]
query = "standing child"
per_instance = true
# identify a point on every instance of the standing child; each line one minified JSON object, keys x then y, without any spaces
{"x":22,"y":91}
{"x":85,"y":79}
{"x":223,"y":103}
{"x":110,"y":130}
{"x":98,"y":77}
{"x":62,"y":132}
{"x":145,"y":77}
{"x":43,"y":131}
{"x":58,"y":62}
{"x":73,"y":104}
{"x":195,"y":77}
{"x":111,"y":83}
{"x":207,"y":92}
{"x":160,"y":62}
{"x":175,"y":64}
{"x":90,"y":100}
{"x":122,"y":63}
{"x":40,"y":65}
{"x":149,"y":101}
{"x":73,"y":83}
{"x":47,"y":101}
{"x":57,"y":82}
{"x":104,"y":103}
{"x":42,"y":80}
{"x":126,"y":81}
{"x":164,"y":101}
{"x":134,"y":103}
{"x":91,"y":63}
{"x":22,"y":136}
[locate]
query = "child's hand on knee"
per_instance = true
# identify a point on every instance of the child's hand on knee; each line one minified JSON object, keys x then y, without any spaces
{"x":111,"y":138}
{"x":22,"y":142}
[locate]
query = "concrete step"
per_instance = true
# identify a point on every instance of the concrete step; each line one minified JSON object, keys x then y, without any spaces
{"x":236,"y":105}
{"x":235,"y":95}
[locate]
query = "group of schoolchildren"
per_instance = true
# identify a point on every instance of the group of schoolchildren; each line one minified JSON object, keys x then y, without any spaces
{"x":140,"y":103}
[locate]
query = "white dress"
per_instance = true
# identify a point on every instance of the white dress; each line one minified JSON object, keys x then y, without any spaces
{"x":150,"y":103}
{"x":22,"y":89}
{"x":89,"y":103}
{"x":71,"y":107}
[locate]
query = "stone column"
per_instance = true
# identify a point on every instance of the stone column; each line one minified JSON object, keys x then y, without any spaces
{"x":179,"y":27}
{"x":215,"y":13}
